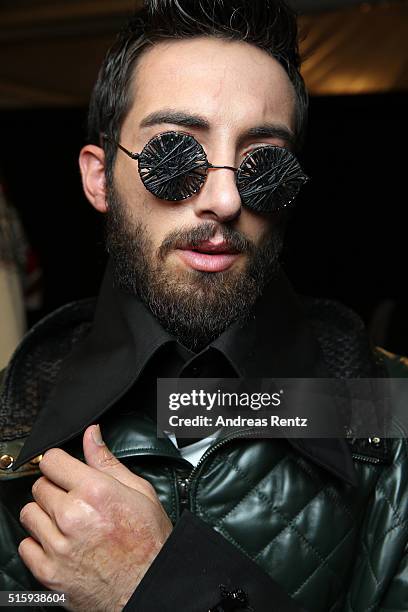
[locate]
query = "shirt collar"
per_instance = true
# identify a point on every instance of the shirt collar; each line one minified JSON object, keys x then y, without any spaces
{"x":274,"y":341}
{"x":100,"y":369}
{"x":277,"y":342}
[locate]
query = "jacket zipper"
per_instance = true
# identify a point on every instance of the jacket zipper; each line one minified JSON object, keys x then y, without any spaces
{"x":184,"y":484}
{"x":183,"y":492}
{"x":365,"y":458}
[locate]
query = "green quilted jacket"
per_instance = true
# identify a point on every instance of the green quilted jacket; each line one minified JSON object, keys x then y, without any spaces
{"x":331,"y":546}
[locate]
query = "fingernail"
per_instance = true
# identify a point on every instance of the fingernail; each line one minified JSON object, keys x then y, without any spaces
{"x":97,"y":436}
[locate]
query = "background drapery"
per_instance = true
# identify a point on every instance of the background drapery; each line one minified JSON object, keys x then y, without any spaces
{"x":50,"y":51}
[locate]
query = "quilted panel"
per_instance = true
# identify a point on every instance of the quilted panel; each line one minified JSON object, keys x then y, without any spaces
{"x":383,"y":540}
{"x":396,"y":597}
{"x":285,"y":514}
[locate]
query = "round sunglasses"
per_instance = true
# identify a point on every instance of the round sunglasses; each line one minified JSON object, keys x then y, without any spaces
{"x":173,"y":166}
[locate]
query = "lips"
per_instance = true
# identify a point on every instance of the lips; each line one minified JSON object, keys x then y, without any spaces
{"x":209,"y":256}
{"x":210,"y":247}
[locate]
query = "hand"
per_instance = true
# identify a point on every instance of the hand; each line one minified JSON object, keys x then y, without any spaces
{"x":95,"y":529}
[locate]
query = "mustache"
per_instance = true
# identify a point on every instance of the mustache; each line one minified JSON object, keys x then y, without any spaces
{"x":192,"y":237}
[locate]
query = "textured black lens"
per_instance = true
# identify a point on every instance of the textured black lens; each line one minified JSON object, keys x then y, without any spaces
{"x":269,"y":179}
{"x":173,"y":166}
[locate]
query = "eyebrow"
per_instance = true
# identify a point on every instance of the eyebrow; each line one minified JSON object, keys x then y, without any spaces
{"x":175,"y":117}
{"x":273,"y":130}
{"x":192,"y":120}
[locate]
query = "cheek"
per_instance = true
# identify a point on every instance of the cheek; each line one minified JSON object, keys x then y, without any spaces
{"x":128,"y":184}
{"x":255,"y":226}
{"x":161,"y":218}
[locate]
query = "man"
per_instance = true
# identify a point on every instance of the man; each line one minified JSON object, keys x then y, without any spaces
{"x":198,"y":107}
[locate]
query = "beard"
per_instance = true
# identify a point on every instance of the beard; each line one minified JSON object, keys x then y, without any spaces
{"x":194,"y":306}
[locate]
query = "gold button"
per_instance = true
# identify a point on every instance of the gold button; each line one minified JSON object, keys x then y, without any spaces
{"x":6,"y":462}
{"x":36,"y":460}
{"x":376,"y":440}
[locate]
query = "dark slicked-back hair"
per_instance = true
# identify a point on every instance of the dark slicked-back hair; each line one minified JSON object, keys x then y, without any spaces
{"x":268,"y":24}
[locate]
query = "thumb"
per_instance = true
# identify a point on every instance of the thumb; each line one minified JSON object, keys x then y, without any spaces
{"x":98,"y":456}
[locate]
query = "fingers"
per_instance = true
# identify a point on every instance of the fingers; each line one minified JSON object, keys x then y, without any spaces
{"x":69,"y":473}
{"x":34,"y":557}
{"x":98,"y":456}
{"x":40,"y":526}
{"x":49,"y":496}
{"x":64,"y":470}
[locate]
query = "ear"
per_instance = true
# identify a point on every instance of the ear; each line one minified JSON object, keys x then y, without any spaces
{"x":92,"y":165}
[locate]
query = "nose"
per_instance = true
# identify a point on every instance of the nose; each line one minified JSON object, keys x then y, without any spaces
{"x":219,"y":198}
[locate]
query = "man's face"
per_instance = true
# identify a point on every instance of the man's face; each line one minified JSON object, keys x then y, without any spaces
{"x":188,"y":259}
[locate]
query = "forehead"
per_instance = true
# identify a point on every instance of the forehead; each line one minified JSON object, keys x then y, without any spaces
{"x":234,"y":85}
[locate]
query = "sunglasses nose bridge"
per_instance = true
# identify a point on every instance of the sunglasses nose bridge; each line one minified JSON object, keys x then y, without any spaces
{"x":220,"y":198}
{"x":212,"y":167}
